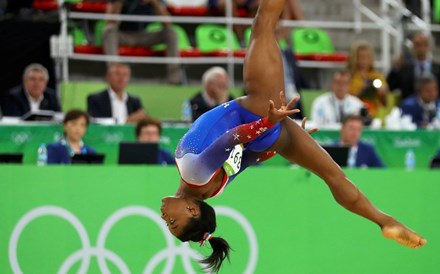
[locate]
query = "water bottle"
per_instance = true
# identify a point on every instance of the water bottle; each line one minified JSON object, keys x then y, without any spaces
{"x":186,"y":111}
{"x":410,"y":160}
{"x":436,"y":122}
{"x":42,"y":155}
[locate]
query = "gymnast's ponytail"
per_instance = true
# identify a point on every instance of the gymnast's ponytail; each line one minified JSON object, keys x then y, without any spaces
{"x":200,"y":230}
{"x":220,"y":251}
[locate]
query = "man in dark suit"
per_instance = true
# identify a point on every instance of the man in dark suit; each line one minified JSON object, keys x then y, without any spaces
{"x":404,"y":75}
{"x":114,"y":102}
{"x":32,"y":95}
{"x":360,"y":154}
{"x":215,"y":92}
{"x":424,"y":106}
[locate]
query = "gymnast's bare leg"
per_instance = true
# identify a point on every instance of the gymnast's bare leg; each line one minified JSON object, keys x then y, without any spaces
{"x":263,"y":79}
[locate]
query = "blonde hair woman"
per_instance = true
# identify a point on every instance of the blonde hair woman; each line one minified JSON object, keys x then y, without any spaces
{"x":366,"y":83}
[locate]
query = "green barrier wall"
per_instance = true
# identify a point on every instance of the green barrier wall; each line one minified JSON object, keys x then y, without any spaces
{"x":162,"y":101}
{"x":391,"y":145}
{"x":55,"y":218}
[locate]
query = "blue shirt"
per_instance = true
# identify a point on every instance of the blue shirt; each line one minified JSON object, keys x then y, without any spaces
{"x":412,"y":106}
{"x":165,"y":158}
{"x":60,"y":152}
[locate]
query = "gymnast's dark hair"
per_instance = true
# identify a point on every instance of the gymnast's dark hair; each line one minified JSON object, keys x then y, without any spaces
{"x":195,"y":231}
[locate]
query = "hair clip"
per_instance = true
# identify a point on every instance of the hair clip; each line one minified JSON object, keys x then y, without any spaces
{"x":206,"y":237}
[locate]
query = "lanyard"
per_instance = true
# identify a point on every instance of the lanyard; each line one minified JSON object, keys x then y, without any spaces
{"x":339,"y":107}
{"x":70,"y":149}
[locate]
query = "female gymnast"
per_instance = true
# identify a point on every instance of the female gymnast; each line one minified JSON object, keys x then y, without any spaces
{"x":250,"y":130}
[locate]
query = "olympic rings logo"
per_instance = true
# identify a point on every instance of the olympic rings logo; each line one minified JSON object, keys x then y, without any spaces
{"x":21,"y":137}
{"x":103,"y":254}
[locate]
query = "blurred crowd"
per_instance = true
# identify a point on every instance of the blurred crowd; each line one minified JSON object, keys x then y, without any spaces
{"x":359,"y":95}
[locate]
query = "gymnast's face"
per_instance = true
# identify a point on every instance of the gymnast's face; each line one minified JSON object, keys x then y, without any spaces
{"x":177,"y":213}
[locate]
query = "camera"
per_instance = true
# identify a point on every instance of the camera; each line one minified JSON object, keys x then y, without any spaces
{"x":369,"y":92}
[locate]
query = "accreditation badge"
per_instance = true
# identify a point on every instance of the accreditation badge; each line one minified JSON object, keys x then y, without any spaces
{"x":233,"y":164}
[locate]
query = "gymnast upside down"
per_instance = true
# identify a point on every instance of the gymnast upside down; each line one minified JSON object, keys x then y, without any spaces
{"x":226,"y":140}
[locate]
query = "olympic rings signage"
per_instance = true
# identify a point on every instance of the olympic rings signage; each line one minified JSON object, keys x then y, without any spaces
{"x":103,"y":254}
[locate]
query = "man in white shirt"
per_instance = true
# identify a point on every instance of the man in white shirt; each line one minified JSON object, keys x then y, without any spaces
{"x":330,"y":108}
{"x":32,"y":95}
{"x":114,"y":102}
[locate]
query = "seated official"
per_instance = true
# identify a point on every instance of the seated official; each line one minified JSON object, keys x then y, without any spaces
{"x":331,"y":107}
{"x":360,"y":154}
{"x":215,"y":92}
{"x":75,"y":127}
{"x":424,"y":106}
{"x":32,"y":95}
{"x":148,"y":130}
{"x":114,"y":102}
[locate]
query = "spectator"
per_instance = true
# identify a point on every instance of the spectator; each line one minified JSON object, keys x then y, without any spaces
{"x":32,"y":95}
{"x":424,"y":106}
{"x":134,"y":34}
{"x":293,"y":78}
{"x":292,"y":11}
{"x":366,"y":82}
{"x":75,"y":127}
{"x":18,"y":9}
{"x":240,"y":8}
{"x":360,"y":154}
{"x":114,"y":102}
{"x":404,"y":74}
{"x":331,"y":107}
{"x":215,"y":92}
{"x":149,"y":130}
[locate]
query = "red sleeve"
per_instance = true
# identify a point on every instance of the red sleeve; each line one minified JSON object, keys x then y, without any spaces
{"x":248,"y":132}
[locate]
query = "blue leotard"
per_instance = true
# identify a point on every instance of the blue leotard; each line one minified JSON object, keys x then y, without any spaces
{"x":203,"y":150}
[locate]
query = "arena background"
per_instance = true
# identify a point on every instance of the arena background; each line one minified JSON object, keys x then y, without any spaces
{"x":278,"y":218}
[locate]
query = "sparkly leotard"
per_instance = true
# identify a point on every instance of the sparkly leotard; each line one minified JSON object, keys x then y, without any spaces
{"x":227,"y":132}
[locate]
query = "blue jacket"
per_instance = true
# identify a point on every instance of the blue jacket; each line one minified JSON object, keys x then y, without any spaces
{"x":58,"y":153}
{"x":165,"y":158}
{"x":367,"y":156}
{"x":410,"y":106}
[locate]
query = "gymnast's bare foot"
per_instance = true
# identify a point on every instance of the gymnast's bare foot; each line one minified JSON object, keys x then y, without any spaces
{"x":403,"y":235}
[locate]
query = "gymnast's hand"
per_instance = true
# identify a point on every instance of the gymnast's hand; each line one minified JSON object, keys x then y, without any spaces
{"x":303,"y":125}
{"x":276,"y":115}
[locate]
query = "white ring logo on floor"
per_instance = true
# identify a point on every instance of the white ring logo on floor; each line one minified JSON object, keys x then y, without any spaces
{"x":102,"y":254}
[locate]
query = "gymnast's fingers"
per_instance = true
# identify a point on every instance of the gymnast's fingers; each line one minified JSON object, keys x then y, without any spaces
{"x":313,"y":130}
{"x":292,"y":102}
{"x":303,"y":122}
{"x":282,"y":98}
